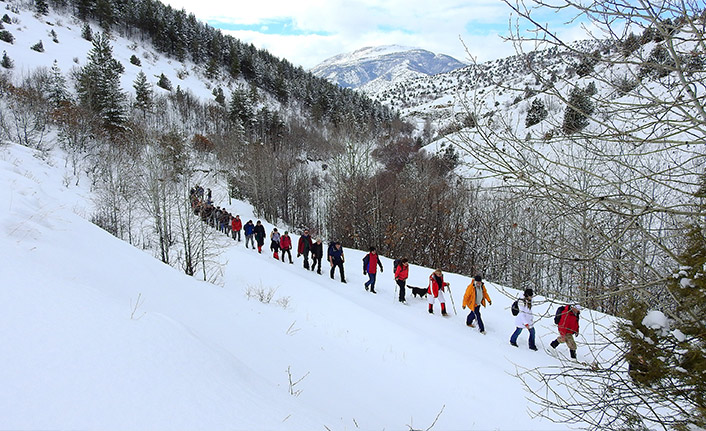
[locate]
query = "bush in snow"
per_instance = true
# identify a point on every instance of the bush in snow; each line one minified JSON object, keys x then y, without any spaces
{"x":164,"y":82}
{"x":39,"y":47}
{"x":6,"y":36}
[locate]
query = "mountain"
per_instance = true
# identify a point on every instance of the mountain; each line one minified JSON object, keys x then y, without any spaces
{"x":383,"y":64}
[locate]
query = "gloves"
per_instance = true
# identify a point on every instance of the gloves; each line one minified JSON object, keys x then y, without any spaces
{"x":490,"y":302}
{"x":464,"y":307}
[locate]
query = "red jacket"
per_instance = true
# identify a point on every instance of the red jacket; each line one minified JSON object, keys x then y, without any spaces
{"x":304,"y":244}
{"x":402,"y":272}
{"x":237,"y":224}
{"x":434,"y":287}
{"x":285,"y":242}
{"x":569,"y":322}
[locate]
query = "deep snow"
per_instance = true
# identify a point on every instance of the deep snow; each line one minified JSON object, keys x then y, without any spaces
{"x":78,"y":354}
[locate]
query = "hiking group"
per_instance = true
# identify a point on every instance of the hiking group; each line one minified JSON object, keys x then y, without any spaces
{"x":475,"y":296}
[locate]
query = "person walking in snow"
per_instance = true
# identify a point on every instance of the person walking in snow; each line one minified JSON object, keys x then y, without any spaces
{"x":401,"y":275}
{"x":475,"y":296}
{"x":304,"y":247}
{"x":236,"y":226}
{"x":274,"y":243}
{"x":260,"y":235}
{"x":286,"y":244}
{"x":435,"y":291}
{"x":524,"y":319}
{"x":371,"y":261}
{"x":568,"y":321}
{"x":249,"y":230}
{"x":336,"y":259}
{"x":317,"y":252}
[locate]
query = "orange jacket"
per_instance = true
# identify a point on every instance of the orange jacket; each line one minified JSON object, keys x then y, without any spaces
{"x":469,"y":298}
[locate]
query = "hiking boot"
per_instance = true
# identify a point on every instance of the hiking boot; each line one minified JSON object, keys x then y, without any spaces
{"x":366,"y":287}
{"x":470,"y":325}
{"x":514,"y":344}
{"x":554,"y":344}
{"x":482,"y":332}
{"x":372,"y":290}
{"x":343,"y":281}
{"x":533,"y":348}
{"x":573,"y":354}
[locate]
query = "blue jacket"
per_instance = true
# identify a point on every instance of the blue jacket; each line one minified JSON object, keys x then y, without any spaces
{"x":249,"y":228}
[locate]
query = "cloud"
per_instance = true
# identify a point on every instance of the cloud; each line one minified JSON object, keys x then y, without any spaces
{"x":309,"y":31}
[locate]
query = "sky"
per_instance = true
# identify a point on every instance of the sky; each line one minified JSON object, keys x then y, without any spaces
{"x":308,"y":32}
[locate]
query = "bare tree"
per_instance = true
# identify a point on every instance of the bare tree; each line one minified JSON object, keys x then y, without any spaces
{"x":616,"y":178}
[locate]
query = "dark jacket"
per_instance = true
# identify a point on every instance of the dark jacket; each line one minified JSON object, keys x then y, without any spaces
{"x":260,"y":233}
{"x":336,"y":255}
{"x":317,"y":250}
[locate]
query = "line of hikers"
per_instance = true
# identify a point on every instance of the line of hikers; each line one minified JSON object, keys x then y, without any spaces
{"x":476,"y":295}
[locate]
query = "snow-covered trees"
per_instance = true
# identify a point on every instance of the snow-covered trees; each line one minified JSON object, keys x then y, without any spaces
{"x":615,"y":181}
{"x":98,"y":83}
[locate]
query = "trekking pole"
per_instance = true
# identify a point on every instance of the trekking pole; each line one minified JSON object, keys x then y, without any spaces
{"x":452,"y":299}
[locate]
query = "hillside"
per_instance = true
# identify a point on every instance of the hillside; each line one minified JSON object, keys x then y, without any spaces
{"x":106,"y":337}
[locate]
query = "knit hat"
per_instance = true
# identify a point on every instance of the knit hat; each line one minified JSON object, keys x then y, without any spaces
{"x":528,"y":293}
{"x":577,"y":307}
{"x":478,"y":278}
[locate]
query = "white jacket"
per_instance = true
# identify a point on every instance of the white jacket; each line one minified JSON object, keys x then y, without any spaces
{"x":525,"y":316}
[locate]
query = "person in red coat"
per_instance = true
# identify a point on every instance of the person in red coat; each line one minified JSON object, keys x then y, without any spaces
{"x":286,"y":244}
{"x":568,"y":326}
{"x":304,"y":247}
{"x":371,"y":261}
{"x":436,"y":290}
{"x":401,"y":275}
{"x":236,"y":226}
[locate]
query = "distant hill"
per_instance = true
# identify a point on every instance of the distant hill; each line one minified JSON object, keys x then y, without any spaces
{"x":383,"y":63}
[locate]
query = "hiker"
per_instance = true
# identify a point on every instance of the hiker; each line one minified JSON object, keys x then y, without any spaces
{"x":567,"y":317}
{"x":336,"y":259}
{"x":304,"y":247}
{"x":286,"y":244}
{"x":401,"y":275}
{"x":524,"y":319}
{"x":371,"y":261}
{"x":475,"y":296}
{"x":249,"y":233}
{"x":236,"y":226}
{"x":260,"y":235}
{"x":436,"y":290}
{"x":274,"y":243}
{"x":317,"y":252}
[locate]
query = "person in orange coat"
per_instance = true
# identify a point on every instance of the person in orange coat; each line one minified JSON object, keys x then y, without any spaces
{"x":475,"y":296}
{"x":436,"y":290}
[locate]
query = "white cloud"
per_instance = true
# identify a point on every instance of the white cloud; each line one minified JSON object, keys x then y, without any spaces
{"x":323,"y":28}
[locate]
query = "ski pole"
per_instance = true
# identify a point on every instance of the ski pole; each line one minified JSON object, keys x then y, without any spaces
{"x":452,"y":299}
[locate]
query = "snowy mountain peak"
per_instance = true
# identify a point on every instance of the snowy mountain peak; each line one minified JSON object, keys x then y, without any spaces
{"x":386,"y":62}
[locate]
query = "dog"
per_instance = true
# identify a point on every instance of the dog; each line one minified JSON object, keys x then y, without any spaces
{"x":421,"y":291}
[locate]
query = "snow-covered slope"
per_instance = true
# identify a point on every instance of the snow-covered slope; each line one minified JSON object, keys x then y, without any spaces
{"x":97,"y":334}
{"x":382,"y":65}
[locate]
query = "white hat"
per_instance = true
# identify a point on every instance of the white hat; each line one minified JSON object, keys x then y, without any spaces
{"x":577,"y":307}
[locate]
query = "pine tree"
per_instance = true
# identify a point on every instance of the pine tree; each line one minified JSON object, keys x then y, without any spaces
{"x":143,"y":93}
{"x":220,"y":97}
{"x":41,"y":7}
{"x":164,"y":82}
{"x":98,"y":84}
{"x":86,"y":32}
{"x":578,"y":108}
{"x":536,"y":113}
{"x":6,"y":62}
{"x":39,"y":47}
{"x":58,"y":93}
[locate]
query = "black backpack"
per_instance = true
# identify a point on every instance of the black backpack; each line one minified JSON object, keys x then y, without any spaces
{"x":559,"y":312}
{"x":395,"y":264}
{"x":515,"y":309}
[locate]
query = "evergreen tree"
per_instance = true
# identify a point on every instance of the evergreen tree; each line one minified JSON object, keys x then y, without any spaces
{"x":6,"y":19}
{"x":6,"y":62}
{"x":536,"y":113}
{"x":6,"y":36}
{"x":164,"y":82}
{"x":98,"y":83}
{"x":578,"y":108}
{"x":58,"y":94}
{"x":143,"y":92}
{"x":86,"y":32}
{"x":220,"y":97}
{"x":39,"y":47}
{"x":134,"y":60}
{"x":41,"y":7}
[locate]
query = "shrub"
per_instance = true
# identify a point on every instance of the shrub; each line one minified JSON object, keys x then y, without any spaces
{"x":6,"y":62}
{"x":536,"y":113}
{"x":578,"y":108}
{"x":164,"y":82}
{"x":134,"y":60}
{"x":6,"y":36}
{"x":6,"y":19}
{"x":39,"y":47}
